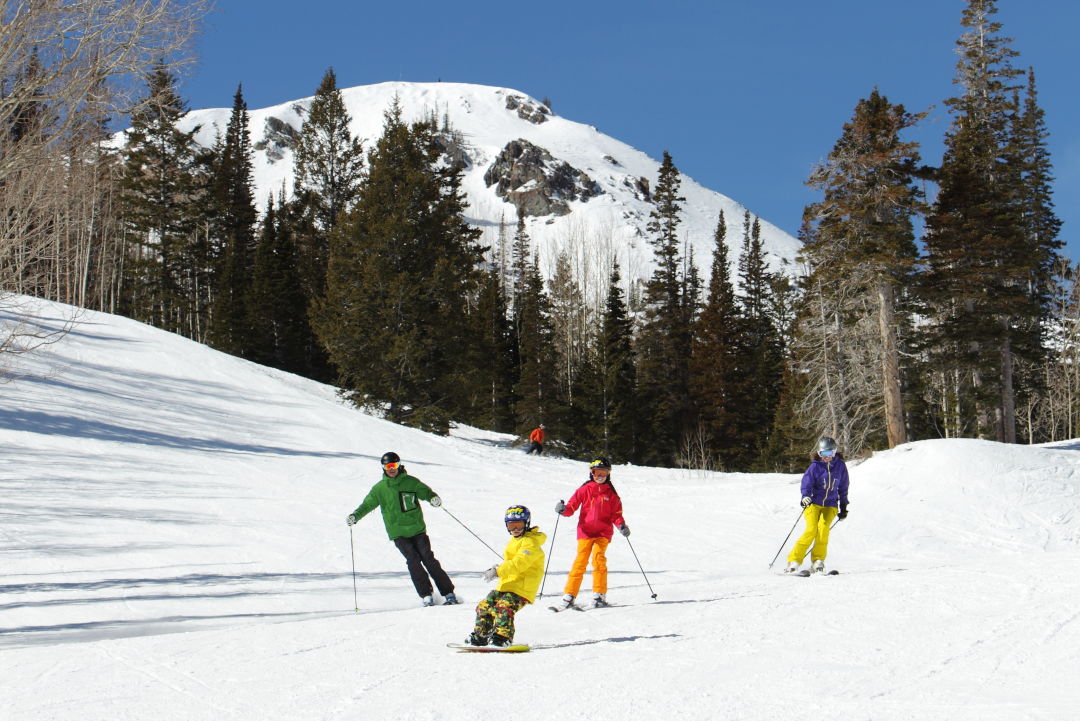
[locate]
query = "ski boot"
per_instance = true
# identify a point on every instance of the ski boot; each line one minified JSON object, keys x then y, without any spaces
{"x":427,"y":601}
{"x":792,"y":567}
{"x":817,"y":567}
{"x":450,"y":600}
{"x":474,"y":640}
{"x":567,"y":602}
{"x":600,"y":601}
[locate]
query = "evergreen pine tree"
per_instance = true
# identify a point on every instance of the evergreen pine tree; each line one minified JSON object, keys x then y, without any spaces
{"x":862,"y":257}
{"x":979,"y":261}
{"x":158,"y":187}
{"x":233,"y":232}
{"x":329,"y":160}
{"x":664,"y":339}
{"x":404,"y":266}
{"x":614,"y":407}
{"x":277,"y":304}
{"x":761,"y":339}
{"x":718,"y":366}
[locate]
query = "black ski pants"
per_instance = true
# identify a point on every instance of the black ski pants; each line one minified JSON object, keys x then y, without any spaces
{"x":418,"y":557}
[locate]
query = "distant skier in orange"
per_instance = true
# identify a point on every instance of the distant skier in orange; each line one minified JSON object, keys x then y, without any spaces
{"x":536,"y":441}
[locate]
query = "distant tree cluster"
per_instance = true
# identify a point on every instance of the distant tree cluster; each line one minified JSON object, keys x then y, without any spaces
{"x":366,"y":273}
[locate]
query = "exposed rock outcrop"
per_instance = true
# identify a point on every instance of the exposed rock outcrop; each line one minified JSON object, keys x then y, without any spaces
{"x":532,"y":180}
{"x":278,"y":136}
{"x":527,"y":110}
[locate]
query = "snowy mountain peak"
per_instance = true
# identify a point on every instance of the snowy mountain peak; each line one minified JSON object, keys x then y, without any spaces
{"x":582,"y":192}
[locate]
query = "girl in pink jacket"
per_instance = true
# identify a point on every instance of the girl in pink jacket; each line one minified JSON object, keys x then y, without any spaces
{"x":601,"y":512}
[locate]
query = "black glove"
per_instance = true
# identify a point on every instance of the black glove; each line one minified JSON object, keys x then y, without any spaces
{"x":560,"y":507}
{"x":624,"y":529}
{"x":843,"y":512}
{"x":350,"y":519}
{"x":806,"y":501}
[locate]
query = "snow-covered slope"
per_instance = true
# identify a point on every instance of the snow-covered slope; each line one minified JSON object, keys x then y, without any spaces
{"x":611,"y":224}
{"x":173,"y":546}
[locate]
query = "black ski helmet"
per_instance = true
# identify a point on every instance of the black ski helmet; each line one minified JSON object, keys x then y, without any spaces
{"x":390,"y":457}
{"x":600,"y":462}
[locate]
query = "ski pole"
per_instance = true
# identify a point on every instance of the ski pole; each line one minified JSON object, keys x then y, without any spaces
{"x":470,"y":531}
{"x":542,"y":582}
{"x":352,"y":554}
{"x":786,"y":538}
{"x":639,"y":566}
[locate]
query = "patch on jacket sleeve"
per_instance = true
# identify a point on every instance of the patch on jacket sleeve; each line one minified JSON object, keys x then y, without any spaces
{"x":526,"y":552}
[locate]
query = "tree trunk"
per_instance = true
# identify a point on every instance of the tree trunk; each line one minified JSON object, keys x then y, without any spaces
{"x":1008,"y":395}
{"x":890,"y":366}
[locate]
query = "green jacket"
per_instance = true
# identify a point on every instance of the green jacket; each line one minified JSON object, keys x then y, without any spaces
{"x":399,"y":500}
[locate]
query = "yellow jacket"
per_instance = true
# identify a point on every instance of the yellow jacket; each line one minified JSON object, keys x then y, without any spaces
{"x":523,"y":568}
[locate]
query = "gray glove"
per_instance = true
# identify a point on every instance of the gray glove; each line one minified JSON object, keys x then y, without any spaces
{"x":435,"y":501}
{"x":560,"y":507}
{"x":491,"y":574}
{"x":806,"y":501}
{"x":350,"y":519}
{"x":624,"y":529}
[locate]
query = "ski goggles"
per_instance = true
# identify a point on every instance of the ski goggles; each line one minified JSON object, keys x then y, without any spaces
{"x":515,"y":526}
{"x":827,"y":454}
{"x":392,"y":465}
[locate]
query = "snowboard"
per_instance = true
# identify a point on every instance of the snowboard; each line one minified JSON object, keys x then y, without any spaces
{"x":466,"y":648}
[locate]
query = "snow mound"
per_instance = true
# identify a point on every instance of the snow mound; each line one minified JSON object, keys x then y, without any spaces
{"x":173,"y":546}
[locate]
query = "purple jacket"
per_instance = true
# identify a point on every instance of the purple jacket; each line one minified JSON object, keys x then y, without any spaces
{"x":826,"y":483}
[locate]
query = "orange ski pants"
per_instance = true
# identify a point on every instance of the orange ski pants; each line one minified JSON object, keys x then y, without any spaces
{"x":585,"y":547}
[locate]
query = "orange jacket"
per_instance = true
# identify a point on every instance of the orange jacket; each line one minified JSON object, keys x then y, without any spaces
{"x":537,"y":435}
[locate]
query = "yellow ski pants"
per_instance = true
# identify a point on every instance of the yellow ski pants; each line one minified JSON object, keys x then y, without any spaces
{"x":586,"y":546}
{"x":818,"y":520}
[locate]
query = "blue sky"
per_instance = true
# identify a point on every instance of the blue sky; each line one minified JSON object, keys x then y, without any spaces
{"x":746,"y":96}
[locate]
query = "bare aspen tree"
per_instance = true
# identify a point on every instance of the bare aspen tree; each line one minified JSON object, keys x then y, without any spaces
{"x":68,"y":67}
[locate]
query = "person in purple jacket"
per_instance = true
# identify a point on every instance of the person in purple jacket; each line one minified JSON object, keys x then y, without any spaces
{"x":824,"y":498}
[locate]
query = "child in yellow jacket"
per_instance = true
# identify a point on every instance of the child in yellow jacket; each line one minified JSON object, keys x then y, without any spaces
{"x":519,"y":578}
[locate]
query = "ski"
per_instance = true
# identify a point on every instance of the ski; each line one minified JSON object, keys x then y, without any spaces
{"x":557,"y":609}
{"x":806,"y":574}
{"x":466,"y":648}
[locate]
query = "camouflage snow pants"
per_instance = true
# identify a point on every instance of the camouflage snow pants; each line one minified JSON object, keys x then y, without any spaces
{"x":495,"y":614}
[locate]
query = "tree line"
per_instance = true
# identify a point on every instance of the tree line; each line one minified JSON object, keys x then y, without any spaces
{"x":915,"y":317}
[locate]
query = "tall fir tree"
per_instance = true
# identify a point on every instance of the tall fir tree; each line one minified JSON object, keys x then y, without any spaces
{"x":718,"y":366}
{"x":979,"y":262}
{"x":404,"y":266}
{"x":864,"y":255}
{"x":277,"y":304}
{"x":233,"y":219}
{"x":158,"y":196}
{"x":665,"y":335}
{"x":329,"y":160}
{"x":614,"y":407}
{"x":761,"y":338}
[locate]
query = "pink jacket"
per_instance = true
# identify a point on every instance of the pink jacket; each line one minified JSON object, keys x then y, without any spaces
{"x":601,"y":509}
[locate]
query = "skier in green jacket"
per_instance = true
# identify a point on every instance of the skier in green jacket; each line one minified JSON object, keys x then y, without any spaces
{"x":398,"y":496}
